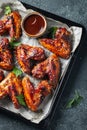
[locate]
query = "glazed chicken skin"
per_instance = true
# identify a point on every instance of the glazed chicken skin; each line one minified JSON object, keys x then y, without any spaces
{"x":11,"y":86}
{"x":12,"y":24}
{"x":25,"y":54}
{"x":35,"y":96}
{"x":6,"y":59}
{"x":50,"y":67}
{"x":60,"y":45}
{"x":62,"y":33}
{"x":1,"y":75}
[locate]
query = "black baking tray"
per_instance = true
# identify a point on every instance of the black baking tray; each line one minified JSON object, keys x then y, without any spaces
{"x":46,"y":122}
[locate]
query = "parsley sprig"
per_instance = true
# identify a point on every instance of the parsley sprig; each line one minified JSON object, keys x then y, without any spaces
{"x":17,"y":71}
{"x":21,"y":100}
{"x":7,"y":10}
{"x":52,"y":32}
{"x":13,"y":43}
{"x":75,"y":101}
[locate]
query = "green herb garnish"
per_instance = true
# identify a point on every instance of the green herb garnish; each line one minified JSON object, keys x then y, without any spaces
{"x":21,"y":99}
{"x":7,"y":10}
{"x":75,"y":101}
{"x":14,"y":43}
{"x":17,"y":71}
{"x":13,"y":39}
{"x":52,"y":32}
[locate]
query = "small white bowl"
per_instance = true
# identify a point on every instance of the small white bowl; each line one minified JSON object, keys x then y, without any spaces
{"x":43,"y":29}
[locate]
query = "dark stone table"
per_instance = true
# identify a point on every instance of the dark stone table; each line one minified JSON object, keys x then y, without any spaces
{"x":74,"y":118}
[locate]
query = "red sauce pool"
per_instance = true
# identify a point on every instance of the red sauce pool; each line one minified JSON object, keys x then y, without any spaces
{"x":34,"y":24}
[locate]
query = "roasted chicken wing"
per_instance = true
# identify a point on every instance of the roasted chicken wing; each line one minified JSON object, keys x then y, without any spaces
{"x":26,"y":53}
{"x":60,"y":45}
{"x":12,"y":24}
{"x":50,"y":67}
{"x":6,"y":59}
{"x":35,"y":96}
{"x":11,"y":86}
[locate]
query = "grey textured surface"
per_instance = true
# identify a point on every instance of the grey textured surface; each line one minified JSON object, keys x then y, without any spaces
{"x":75,"y":118}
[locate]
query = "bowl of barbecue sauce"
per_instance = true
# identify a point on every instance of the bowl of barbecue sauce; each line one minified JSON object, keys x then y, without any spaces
{"x":34,"y":24}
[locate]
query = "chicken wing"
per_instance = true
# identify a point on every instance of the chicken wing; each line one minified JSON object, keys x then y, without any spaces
{"x":60,"y":45}
{"x":12,"y":24}
{"x":6,"y":59}
{"x":11,"y":86}
{"x":26,"y":53}
{"x":34,"y":97}
{"x":49,"y":67}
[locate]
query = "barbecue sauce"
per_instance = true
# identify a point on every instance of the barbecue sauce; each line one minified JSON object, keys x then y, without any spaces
{"x":34,"y":24}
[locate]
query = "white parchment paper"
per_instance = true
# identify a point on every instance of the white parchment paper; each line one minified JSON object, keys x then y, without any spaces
{"x":76,"y":32}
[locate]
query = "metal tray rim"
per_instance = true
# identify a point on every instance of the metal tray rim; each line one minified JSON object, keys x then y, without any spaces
{"x":69,"y":23}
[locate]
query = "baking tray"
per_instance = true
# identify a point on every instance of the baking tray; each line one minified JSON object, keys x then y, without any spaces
{"x":59,"y":90}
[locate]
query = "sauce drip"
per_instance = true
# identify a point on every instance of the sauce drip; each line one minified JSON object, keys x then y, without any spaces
{"x":34,"y":24}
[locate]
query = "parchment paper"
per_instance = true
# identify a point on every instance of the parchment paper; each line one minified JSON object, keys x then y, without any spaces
{"x":76,"y":32}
